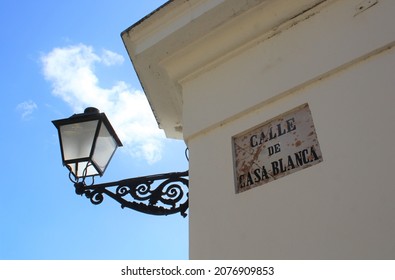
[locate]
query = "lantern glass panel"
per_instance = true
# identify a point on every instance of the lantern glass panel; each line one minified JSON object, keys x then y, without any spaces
{"x":104,"y":149}
{"x":82,"y":169}
{"x":77,"y":139}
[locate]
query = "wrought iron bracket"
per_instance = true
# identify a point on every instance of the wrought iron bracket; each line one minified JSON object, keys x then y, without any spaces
{"x":170,"y":196}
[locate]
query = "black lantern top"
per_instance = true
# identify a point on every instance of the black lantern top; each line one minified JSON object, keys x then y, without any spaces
{"x":88,"y":142}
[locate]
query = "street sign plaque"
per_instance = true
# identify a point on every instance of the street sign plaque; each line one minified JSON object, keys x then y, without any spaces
{"x":276,"y":148}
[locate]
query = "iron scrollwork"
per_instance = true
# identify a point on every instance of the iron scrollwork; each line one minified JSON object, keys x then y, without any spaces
{"x":170,"y":196}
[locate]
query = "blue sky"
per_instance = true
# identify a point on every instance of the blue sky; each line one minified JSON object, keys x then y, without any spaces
{"x":58,"y":57}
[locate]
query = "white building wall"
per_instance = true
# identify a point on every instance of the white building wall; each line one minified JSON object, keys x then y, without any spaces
{"x":342,"y":64}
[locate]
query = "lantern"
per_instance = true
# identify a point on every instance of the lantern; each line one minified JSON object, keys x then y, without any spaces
{"x":87,"y":142}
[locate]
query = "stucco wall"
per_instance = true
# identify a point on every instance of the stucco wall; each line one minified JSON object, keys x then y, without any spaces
{"x":341,"y":64}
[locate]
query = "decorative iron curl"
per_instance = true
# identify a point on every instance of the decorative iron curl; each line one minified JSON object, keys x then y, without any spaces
{"x":169,"y":197}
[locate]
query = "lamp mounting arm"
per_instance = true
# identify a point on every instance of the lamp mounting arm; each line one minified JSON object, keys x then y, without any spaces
{"x":170,"y":196}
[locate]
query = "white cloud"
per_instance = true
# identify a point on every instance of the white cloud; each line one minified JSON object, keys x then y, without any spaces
{"x":26,"y":109}
{"x":71,"y":73}
{"x":111,"y":58}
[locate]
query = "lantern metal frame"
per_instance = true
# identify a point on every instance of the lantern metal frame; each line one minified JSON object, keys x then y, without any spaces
{"x":159,"y":194}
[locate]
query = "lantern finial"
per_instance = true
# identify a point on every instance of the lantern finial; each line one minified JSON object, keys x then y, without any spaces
{"x":91,"y":110}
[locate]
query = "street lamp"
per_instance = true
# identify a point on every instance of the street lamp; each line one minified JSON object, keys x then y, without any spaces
{"x":88,"y":142}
